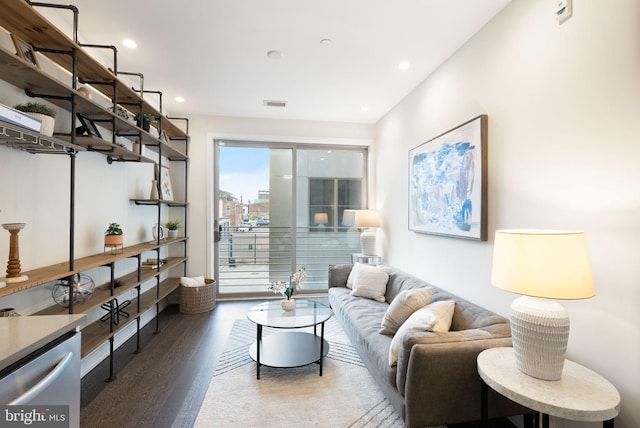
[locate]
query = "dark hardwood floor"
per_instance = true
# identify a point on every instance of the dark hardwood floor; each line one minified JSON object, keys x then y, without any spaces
{"x":164,"y":385}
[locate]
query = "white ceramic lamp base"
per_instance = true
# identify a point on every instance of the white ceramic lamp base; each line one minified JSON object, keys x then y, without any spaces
{"x":368,"y":242}
{"x":540,"y":332}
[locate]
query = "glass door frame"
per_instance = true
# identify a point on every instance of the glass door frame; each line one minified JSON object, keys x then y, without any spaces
{"x":268,"y":144}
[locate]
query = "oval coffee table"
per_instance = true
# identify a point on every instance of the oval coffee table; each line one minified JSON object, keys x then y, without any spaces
{"x":289,"y":348}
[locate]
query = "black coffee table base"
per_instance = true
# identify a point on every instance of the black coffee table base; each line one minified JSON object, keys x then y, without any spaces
{"x":288,"y":349}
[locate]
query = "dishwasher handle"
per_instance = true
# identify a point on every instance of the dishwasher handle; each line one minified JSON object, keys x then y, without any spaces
{"x":44,"y":382}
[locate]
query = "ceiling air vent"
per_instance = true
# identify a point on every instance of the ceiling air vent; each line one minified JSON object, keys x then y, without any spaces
{"x":272,"y":103}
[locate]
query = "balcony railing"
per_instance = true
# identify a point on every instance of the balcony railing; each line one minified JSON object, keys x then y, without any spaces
{"x":249,"y":260}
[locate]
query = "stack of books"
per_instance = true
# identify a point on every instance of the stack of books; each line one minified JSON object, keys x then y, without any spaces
{"x":153,"y":263}
{"x":15,"y":117}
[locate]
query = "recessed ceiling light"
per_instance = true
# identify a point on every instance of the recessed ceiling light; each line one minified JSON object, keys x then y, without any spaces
{"x":275,"y":54}
{"x":325,"y":42}
{"x":180,"y":99}
{"x":364,"y":108}
{"x":130,"y":43}
{"x":403,"y":65}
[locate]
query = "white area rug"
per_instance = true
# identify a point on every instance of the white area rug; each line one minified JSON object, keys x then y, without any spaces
{"x":344,"y":396}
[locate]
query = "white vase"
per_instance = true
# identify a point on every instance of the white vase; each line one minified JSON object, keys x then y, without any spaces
{"x":154,"y":190}
{"x":172,"y":233}
{"x":288,"y":304}
{"x":48,"y":123}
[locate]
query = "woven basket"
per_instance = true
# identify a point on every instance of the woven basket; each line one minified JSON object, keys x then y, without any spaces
{"x":195,"y":300}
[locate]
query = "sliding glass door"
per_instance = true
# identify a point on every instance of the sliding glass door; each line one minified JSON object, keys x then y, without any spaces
{"x":280,"y":207}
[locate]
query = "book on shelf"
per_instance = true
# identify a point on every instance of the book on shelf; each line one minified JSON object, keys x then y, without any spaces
{"x":153,"y":263}
{"x":15,"y":117}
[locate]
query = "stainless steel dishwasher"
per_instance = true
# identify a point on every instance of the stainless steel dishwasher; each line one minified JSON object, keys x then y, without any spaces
{"x":49,"y":376}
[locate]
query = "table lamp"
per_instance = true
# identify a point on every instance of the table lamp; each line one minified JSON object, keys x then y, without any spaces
{"x":368,"y":220}
{"x":349,"y":218}
{"x":320,"y":219}
{"x":541,"y":265}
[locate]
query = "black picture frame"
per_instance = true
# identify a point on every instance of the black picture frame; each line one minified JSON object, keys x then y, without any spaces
{"x":88,"y":127}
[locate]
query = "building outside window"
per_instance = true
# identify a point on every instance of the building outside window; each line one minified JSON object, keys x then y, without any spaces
{"x":293,"y":220}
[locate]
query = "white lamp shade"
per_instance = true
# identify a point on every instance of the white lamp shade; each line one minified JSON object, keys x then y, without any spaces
{"x":320,"y":218}
{"x":368,"y":218}
{"x":540,"y":263}
{"x":349,"y":218}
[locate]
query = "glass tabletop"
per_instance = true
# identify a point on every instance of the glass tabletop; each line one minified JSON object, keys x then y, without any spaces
{"x":306,"y":313}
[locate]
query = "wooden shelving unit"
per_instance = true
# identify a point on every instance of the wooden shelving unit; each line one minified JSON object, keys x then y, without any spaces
{"x":19,"y":17}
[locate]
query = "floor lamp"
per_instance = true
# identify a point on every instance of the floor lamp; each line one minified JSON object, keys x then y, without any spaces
{"x":541,"y":265}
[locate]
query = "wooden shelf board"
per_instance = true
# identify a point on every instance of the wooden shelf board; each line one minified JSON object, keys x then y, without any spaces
{"x":159,"y":201}
{"x":50,"y":273}
{"x":102,"y":294}
{"x":166,"y":287}
{"x":38,"y":277}
{"x":97,"y":333}
{"x":116,"y":152}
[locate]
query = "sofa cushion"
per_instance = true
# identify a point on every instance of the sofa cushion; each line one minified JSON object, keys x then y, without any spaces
{"x":401,"y":308}
{"x":360,"y":319}
{"x":435,"y":317}
{"x":400,"y":281}
{"x":369,"y":282}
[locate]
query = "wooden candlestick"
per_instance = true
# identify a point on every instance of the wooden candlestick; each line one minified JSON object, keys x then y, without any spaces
{"x":13,"y":265}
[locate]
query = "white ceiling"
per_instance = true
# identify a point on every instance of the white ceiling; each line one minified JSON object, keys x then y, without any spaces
{"x":214,"y":52}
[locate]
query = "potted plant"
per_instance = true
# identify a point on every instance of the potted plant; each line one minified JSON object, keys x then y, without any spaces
{"x":40,"y":111}
{"x":172,"y":227}
{"x":146,"y":121}
{"x":295,"y":283}
{"x":113,"y":237}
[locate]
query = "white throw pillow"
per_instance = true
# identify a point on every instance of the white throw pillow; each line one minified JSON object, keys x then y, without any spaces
{"x":435,"y":317}
{"x":370,"y":282}
{"x":352,"y":275}
{"x":196,"y":281}
{"x":401,"y":308}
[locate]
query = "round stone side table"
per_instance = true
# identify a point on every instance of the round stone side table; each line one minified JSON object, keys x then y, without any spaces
{"x":579,"y":395}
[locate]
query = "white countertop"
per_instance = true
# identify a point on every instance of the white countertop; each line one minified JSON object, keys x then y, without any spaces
{"x":20,"y":336}
{"x":580,"y":394}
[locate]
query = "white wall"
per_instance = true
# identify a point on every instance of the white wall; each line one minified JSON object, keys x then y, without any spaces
{"x":563,"y":103}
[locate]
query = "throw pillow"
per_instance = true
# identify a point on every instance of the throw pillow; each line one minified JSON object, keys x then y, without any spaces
{"x":435,"y":317}
{"x":401,"y":308}
{"x":370,"y":282}
{"x":352,"y":275}
{"x":197,"y":281}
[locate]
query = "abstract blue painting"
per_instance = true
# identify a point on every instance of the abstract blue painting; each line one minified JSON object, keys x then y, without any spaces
{"x":447,"y":183}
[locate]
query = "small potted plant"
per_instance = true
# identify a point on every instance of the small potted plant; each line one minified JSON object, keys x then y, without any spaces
{"x":113,"y":238}
{"x":40,"y":111}
{"x":146,"y":121}
{"x":172,"y":228}
{"x":295,"y":283}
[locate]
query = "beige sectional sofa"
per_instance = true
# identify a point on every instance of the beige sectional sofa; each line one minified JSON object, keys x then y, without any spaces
{"x":435,"y":380}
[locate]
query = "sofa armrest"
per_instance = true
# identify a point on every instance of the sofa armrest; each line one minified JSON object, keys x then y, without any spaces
{"x":338,"y":275}
{"x":437,"y":375}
